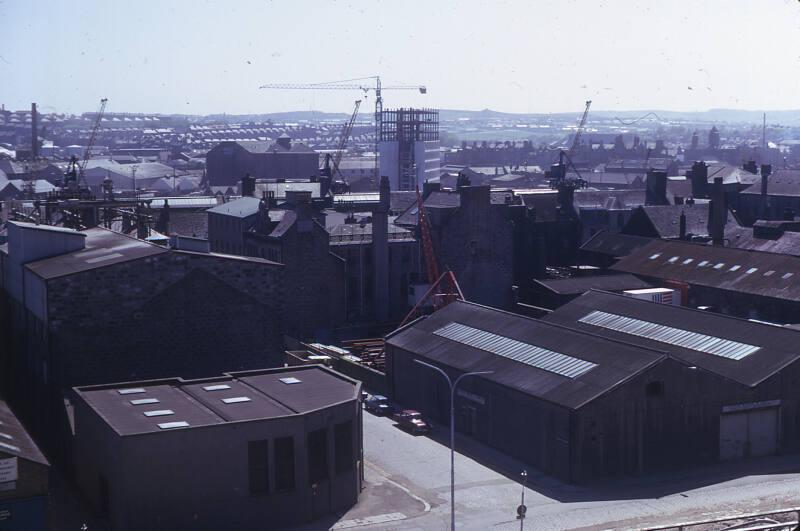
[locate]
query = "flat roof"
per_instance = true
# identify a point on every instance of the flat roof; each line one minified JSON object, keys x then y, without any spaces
{"x":159,"y":405}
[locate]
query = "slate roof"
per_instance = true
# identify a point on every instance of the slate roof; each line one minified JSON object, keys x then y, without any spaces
{"x":770,"y":275}
{"x":777,"y":345}
{"x":666,"y":219}
{"x":15,"y":439}
{"x":241,"y":208}
{"x":578,"y":285}
{"x":355,"y":232}
{"x":782,"y":182}
{"x":614,"y":244}
{"x":262,"y":147}
{"x":742,"y":238}
{"x":609,"y":199}
{"x":732,"y":175}
{"x":188,"y":401}
{"x":616,"y":361}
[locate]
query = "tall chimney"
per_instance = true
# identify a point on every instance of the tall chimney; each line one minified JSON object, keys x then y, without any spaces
{"x":380,"y":251}
{"x":699,"y":177}
{"x":34,"y":132}
{"x":750,"y":166}
{"x":248,"y":186}
{"x":656,"y":188}
{"x":766,"y":171}
{"x":682,"y":226}
{"x":718,"y":214}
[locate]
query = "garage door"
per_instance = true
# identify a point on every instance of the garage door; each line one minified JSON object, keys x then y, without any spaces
{"x":748,"y":433}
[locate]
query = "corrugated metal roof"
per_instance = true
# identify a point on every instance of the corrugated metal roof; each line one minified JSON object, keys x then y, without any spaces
{"x":776,"y":346}
{"x":578,"y":285}
{"x":615,"y":362}
{"x":740,"y":270}
{"x":16,"y":441}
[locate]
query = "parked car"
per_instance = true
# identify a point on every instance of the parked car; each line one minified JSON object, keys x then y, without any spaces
{"x":412,"y":421}
{"x":378,"y":404}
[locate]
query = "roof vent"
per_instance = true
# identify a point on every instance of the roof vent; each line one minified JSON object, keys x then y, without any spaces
{"x":291,"y":380}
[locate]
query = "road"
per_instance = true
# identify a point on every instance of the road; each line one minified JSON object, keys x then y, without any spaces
{"x":408,"y":488}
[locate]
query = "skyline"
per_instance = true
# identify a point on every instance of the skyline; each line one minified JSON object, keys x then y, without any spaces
{"x":193,"y":58}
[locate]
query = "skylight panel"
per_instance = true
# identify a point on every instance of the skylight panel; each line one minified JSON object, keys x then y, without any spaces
{"x":673,"y":259}
{"x":159,"y":413}
{"x":787,"y":275}
{"x":131,"y":391}
{"x":9,"y":447}
{"x":219,"y":387}
{"x":751,"y":270}
{"x":236,"y":399}
{"x":735,"y":268}
{"x":653,"y":257}
{"x":703,"y":263}
{"x":171,"y":425}
{"x":688,"y":261}
{"x":291,"y":380}
{"x":532,"y":355}
{"x":769,"y":273}
{"x":716,"y":346}
{"x":143,"y":401}
{"x":719,"y":265}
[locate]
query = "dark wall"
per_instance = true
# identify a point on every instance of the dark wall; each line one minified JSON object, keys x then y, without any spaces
{"x":228,"y":162}
{"x":199,"y":478}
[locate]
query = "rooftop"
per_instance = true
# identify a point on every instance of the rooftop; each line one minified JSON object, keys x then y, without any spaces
{"x":742,"y":270}
{"x":578,"y":285}
{"x":14,"y":440}
{"x":157,"y":405}
{"x":561,"y":365}
{"x":761,"y":349}
{"x":240,"y":208}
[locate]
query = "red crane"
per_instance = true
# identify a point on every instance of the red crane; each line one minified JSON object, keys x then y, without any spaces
{"x":444,"y":287}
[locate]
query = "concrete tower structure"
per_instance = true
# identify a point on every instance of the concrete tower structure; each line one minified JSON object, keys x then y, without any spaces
{"x":409,"y":147}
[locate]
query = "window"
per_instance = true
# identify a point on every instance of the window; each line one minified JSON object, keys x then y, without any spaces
{"x":673,"y":259}
{"x":236,"y":399}
{"x":284,"y":463}
{"x":290,"y":380}
{"x":751,"y":270}
{"x":703,"y":263}
{"x":787,"y":275}
{"x":719,"y":265}
{"x":735,"y":268}
{"x":769,"y":273}
{"x":688,"y":261}
{"x":343,"y":446}
{"x":317,"y":456}
{"x":159,"y":413}
{"x":653,"y":257}
{"x":258,"y":466}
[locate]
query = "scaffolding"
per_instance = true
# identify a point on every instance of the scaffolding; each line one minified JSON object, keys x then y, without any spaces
{"x":407,"y":127}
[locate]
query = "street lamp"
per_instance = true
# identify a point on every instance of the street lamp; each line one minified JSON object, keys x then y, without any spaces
{"x":521,"y":510}
{"x":453,"y":386}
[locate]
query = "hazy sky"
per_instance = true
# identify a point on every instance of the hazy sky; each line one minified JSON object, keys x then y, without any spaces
{"x":204,"y":57}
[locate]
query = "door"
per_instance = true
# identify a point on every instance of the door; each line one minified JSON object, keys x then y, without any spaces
{"x":748,"y":433}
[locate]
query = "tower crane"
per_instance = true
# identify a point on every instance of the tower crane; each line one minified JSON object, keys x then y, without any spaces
{"x":354,"y":84}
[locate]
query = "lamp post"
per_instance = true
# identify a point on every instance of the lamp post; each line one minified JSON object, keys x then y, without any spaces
{"x":521,"y":510}
{"x":453,"y":386}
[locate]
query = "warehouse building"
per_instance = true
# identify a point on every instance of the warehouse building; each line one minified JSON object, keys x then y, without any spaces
{"x":248,"y":451}
{"x":578,"y":404}
{"x":741,"y":282}
{"x":228,"y":162}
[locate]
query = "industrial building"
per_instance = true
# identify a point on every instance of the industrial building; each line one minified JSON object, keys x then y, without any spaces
{"x":249,"y":450}
{"x":95,"y":306}
{"x":742,"y":282}
{"x":228,"y":162}
{"x":24,"y":477}
{"x":408,"y":147}
{"x":586,"y":399}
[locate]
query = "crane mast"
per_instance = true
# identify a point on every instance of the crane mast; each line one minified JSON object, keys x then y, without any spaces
{"x":576,"y":141}
{"x":346,"y":131}
{"x":348,"y":84}
{"x":93,"y":136}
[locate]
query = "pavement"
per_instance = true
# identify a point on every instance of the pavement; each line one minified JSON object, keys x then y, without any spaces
{"x":407,"y":487}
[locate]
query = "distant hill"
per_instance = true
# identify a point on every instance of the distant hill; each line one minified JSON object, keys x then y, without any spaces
{"x":784,"y":117}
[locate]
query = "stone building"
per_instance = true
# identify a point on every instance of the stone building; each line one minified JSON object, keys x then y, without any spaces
{"x":228,"y":162}
{"x":99,"y":306}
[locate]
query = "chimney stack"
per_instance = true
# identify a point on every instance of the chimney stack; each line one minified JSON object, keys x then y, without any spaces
{"x":766,"y":171}
{"x":699,"y":178}
{"x":656,"y":188}
{"x":248,"y":186}
{"x":682,"y":225}
{"x":34,"y":132}
{"x":718,"y":214}
{"x":380,"y":252}
{"x":750,"y":166}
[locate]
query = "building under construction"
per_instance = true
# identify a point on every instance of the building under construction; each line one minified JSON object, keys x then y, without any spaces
{"x":409,"y":146}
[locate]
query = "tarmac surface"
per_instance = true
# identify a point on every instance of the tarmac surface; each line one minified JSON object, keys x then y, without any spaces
{"x":408,"y":488}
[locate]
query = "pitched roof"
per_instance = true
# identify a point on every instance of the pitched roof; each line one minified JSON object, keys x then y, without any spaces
{"x":782,"y":182}
{"x":743,"y":238}
{"x":578,"y":285}
{"x":665,"y":219}
{"x":777,"y":346}
{"x":745,"y":271}
{"x":239,"y":208}
{"x":611,"y":362}
{"x":15,"y":441}
{"x":614,"y":244}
